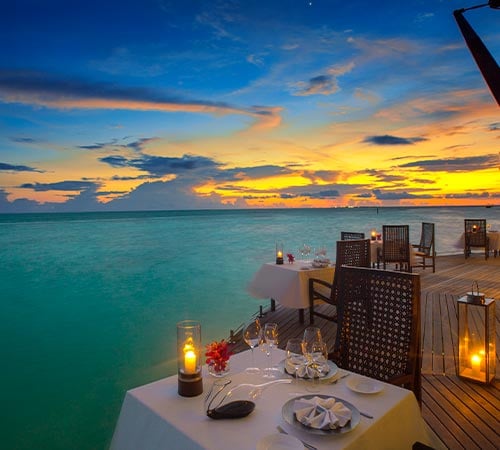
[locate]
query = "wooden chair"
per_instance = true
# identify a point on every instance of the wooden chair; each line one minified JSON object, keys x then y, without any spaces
{"x":475,"y":236}
{"x":425,"y":249}
{"x":378,"y":332}
{"x":353,"y":253}
{"x":350,"y":235}
{"x":396,"y":246}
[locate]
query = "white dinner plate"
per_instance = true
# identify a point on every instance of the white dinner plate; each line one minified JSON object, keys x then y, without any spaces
{"x":330,"y":374}
{"x":363,"y":385}
{"x":290,"y":418}
{"x":279,"y":442}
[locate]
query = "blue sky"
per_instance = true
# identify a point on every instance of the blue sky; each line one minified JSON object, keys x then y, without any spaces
{"x":218,"y":104}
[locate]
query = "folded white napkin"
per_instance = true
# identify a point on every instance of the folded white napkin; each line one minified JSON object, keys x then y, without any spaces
{"x":322,"y":413}
{"x":306,"y":370}
{"x":320,"y":262}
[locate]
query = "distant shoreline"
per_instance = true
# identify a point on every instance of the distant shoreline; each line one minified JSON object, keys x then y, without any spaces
{"x":229,"y":210}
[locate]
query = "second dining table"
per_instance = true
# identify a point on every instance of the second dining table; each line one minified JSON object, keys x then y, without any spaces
{"x":288,"y":284}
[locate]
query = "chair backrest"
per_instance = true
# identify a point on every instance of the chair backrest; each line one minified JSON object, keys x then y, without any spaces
{"x":396,"y":243}
{"x":349,"y":235}
{"x":378,"y":333}
{"x":352,"y":253}
{"x":426,"y":244}
{"x":475,"y":232}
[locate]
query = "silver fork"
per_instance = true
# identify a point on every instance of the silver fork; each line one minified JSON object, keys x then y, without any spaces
{"x":305,"y":444}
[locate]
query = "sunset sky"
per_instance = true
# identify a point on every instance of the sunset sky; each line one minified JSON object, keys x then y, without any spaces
{"x":159,"y":104}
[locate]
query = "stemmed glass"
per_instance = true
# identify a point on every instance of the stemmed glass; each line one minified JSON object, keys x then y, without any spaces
{"x":319,"y":358}
{"x":312,"y":334}
{"x":304,"y":251}
{"x":271,"y":340}
{"x":294,"y":356}
{"x":311,"y":340}
{"x":253,"y":336}
{"x":321,"y":251}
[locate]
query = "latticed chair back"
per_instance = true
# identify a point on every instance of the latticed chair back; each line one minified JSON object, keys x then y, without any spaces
{"x":378,"y":333}
{"x":350,"y":235}
{"x":475,"y":236}
{"x":353,"y":253}
{"x":396,"y":246}
{"x":425,"y":249}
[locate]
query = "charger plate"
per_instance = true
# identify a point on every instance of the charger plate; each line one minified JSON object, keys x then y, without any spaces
{"x":289,"y":416}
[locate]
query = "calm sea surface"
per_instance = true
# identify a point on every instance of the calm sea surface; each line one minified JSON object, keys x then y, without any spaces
{"x":89,"y":301}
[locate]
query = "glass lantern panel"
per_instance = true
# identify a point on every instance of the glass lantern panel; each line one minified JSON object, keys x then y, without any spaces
{"x":476,"y":340}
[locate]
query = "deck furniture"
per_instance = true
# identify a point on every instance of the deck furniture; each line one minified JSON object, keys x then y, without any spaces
{"x":475,"y":236}
{"x":287,"y":284}
{"x":378,"y":333}
{"x":350,"y":235}
{"x":155,"y":417}
{"x":396,"y":246}
{"x":350,"y":252}
{"x":425,"y":249}
{"x":494,"y":242}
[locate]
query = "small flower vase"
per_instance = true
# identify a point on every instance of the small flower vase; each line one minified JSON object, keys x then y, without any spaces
{"x":218,"y":369}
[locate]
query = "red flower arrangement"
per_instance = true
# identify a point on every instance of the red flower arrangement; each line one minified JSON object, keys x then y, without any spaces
{"x":218,"y":354}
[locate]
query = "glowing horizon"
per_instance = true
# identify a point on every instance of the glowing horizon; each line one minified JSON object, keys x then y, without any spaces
{"x":234,"y":105}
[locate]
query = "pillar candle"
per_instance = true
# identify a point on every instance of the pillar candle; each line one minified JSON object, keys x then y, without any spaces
{"x":190,"y":362}
{"x":475,"y":364}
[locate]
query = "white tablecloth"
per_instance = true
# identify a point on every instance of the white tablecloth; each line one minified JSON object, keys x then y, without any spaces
{"x":287,"y":283}
{"x":493,"y":237}
{"x":155,"y":417}
{"x":375,"y":248}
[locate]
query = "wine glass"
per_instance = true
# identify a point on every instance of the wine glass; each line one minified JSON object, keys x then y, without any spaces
{"x":294,"y":356}
{"x":271,"y":340}
{"x":319,"y":358}
{"x":312,"y":334}
{"x":304,"y":251}
{"x":321,"y":251}
{"x":252,"y":336}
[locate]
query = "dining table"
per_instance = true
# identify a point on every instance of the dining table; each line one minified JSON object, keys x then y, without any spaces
{"x":288,"y":284}
{"x":375,"y":251}
{"x":156,"y":417}
{"x":493,"y":241}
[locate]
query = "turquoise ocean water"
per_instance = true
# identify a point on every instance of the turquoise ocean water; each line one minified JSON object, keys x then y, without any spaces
{"x":89,"y":301}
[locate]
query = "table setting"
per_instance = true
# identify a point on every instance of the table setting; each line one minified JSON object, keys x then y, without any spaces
{"x":309,"y":402}
{"x":288,"y":284}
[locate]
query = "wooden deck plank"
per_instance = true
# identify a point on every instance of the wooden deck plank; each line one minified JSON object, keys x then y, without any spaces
{"x":475,"y":419}
{"x":427,"y":335}
{"x":436,"y":416}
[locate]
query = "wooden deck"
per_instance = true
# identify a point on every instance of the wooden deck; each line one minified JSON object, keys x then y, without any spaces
{"x":463,"y":414}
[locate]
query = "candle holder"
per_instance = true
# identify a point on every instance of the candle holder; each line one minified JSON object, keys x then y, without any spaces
{"x":190,"y":382}
{"x":279,"y":253}
{"x":476,"y":338}
{"x":373,"y":234}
